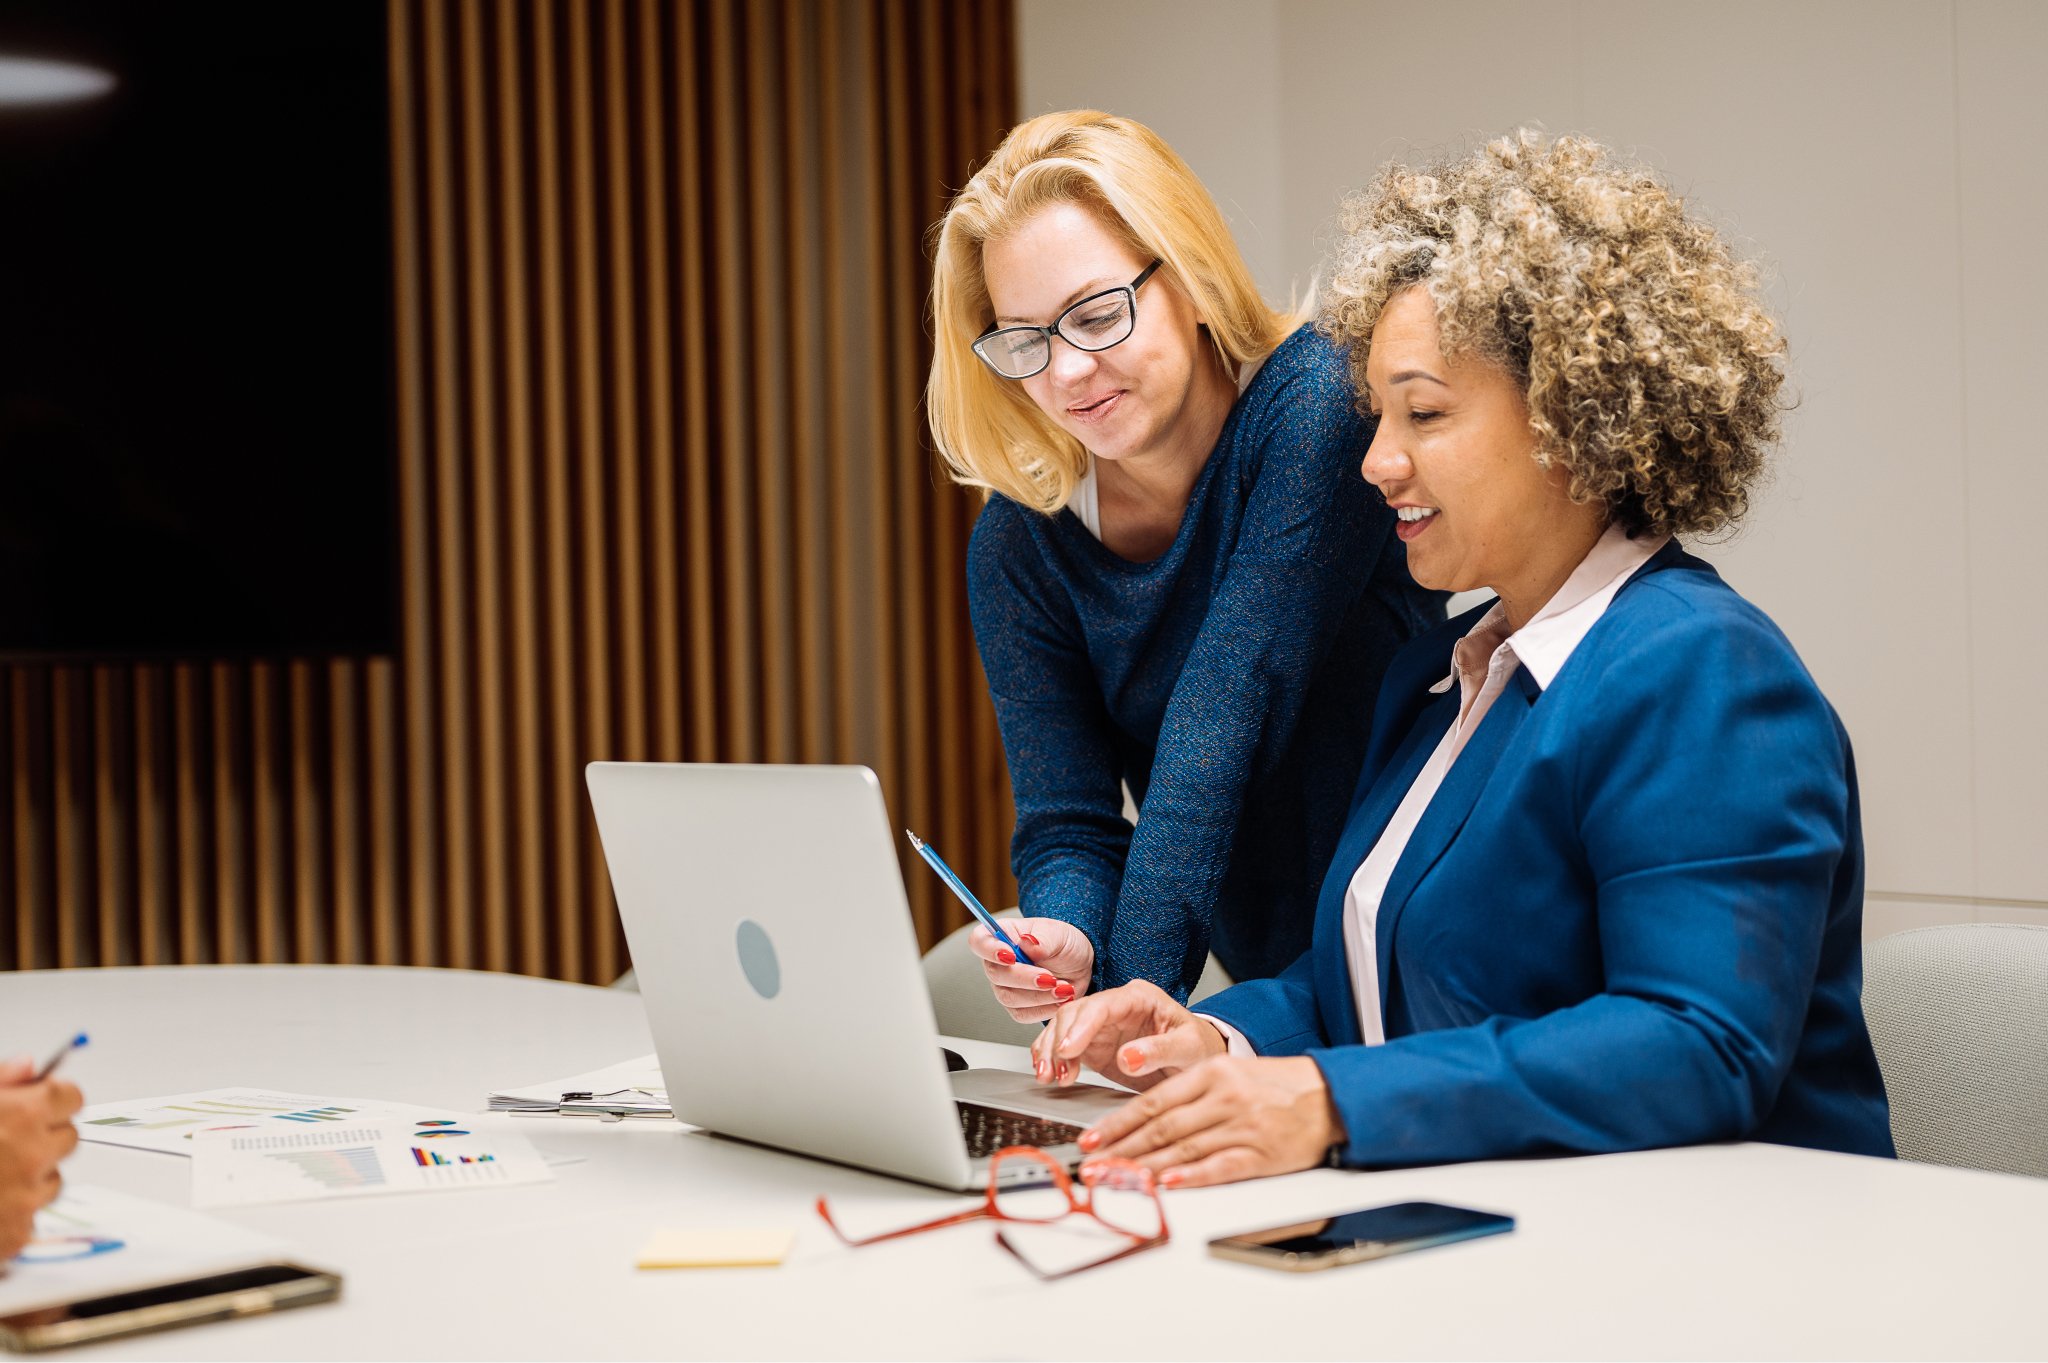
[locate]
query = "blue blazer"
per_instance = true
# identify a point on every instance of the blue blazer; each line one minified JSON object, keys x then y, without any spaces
{"x":1631,"y":916}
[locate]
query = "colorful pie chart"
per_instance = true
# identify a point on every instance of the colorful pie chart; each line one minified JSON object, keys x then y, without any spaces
{"x":428,"y":1135}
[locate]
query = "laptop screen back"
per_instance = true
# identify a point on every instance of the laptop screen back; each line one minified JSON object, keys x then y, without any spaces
{"x":765,"y":911}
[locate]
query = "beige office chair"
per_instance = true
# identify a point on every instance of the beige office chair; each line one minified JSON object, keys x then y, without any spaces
{"x":966,"y":1007}
{"x":1959,"y":1017}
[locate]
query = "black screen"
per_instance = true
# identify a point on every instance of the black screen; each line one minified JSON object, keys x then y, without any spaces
{"x":196,"y":355}
{"x":219,"y":1285}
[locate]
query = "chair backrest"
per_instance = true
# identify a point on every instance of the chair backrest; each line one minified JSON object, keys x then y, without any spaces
{"x":1959,"y":1017}
{"x":961,"y":999}
{"x":966,"y":1007}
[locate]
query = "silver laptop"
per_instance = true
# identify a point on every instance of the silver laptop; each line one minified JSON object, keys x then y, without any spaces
{"x":769,"y":929}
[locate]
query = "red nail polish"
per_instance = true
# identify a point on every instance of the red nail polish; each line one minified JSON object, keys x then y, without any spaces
{"x":1131,"y":1059}
{"x":1027,"y":938}
{"x":1046,"y":981}
{"x":1089,"y":1140}
{"x":1172,"y":1178}
{"x":1003,"y":955}
{"x":1065,"y":991}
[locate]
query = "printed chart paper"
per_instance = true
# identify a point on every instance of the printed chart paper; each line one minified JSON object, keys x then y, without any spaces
{"x":92,"y":1242}
{"x":169,"y":1124}
{"x":271,"y":1164}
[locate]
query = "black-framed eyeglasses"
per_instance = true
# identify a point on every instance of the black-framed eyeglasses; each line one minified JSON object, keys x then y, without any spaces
{"x":1097,"y":322}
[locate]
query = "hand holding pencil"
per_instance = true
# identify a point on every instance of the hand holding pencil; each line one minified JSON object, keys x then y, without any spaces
{"x":1062,"y":960}
{"x":1033,"y":964}
{"x":35,"y":1135}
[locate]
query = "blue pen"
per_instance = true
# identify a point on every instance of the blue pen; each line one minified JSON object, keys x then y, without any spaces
{"x":50,"y":1066}
{"x":966,"y":896}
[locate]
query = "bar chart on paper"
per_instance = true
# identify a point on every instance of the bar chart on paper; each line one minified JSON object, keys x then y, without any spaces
{"x":355,"y":1167}
{"x":439,"y":1169}
{"x":437,"y":1160}
{"x":236,"y":1168}
{"x":169,"y":1124}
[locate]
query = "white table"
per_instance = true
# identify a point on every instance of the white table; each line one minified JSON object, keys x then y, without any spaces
{"x":1722,"y":1251}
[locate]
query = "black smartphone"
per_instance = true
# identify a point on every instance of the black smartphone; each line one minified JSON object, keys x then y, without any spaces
{"x":1353,"y":1237}
{"x":223,"y":1296}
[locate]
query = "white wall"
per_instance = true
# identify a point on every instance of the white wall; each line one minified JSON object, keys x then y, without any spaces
{"x":1888,"y":160}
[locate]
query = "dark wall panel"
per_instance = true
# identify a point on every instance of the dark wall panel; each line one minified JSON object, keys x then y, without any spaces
{"x":664,"y":490}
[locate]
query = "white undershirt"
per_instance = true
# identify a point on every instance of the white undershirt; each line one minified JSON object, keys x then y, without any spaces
{"x":1087,"y":500}
{"x":1482,"y":663}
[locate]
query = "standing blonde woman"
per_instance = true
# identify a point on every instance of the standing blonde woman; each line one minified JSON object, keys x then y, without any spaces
{"x":1179,"y":584}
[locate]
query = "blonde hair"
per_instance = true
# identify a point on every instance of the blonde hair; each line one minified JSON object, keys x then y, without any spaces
{"x":1651,"y":366}
{"x":989,"y":432}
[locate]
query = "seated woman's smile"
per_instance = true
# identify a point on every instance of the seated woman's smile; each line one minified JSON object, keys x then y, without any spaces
{"x":1455,"y":458}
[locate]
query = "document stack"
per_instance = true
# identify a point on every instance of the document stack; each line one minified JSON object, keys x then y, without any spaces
{"x":631,"y":1088}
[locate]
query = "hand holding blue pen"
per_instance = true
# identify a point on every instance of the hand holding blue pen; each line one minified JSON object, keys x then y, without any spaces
{"x":1030,"y":985}
{"x":966,"y":896}
{"x":57,"y":1058}
{"x":36,"y":1134}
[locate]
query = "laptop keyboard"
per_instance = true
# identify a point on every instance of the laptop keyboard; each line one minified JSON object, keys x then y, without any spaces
{"x":989,"y":1129}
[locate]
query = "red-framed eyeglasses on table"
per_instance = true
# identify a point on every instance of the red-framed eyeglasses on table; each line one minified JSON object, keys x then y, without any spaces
{"x":1117,"y":1195}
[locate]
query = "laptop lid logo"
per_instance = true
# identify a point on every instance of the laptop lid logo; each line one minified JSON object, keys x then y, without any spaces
{"x":757,"y":959}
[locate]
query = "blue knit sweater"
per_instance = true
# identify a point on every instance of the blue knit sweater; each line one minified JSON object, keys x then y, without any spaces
{"x":1230,"y":682}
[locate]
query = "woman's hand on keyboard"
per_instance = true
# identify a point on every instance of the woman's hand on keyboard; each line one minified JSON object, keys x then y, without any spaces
{"x":1062,"y":959}
{"x":1136,"y":1034}
{"x":1238,"y":1117}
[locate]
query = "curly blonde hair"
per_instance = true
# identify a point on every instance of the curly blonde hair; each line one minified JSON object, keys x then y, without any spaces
{"x":1652,"y":369}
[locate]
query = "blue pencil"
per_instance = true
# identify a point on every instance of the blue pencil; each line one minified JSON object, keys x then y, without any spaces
{"x":966,"y":896}
{"x":50,"y":1066}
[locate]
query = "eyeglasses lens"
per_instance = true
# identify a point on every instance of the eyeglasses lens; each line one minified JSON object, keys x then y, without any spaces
{"x":1123,"y":1199}
{"x":1035,"y":1195}
{"x":1098,"y":323}
{"x":1043,"y":1203}
{"x":1126,"y":1217}
{"x":1018,"y":354}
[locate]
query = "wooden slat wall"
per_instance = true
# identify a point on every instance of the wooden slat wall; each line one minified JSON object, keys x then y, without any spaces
{"x":665,"y":492}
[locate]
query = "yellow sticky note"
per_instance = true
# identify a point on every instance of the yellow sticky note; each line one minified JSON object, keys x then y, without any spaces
{"x":716,"y":1248}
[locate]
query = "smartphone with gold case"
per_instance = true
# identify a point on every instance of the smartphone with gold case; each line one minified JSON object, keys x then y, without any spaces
{"x":220,"y":1296}
{"x":1354,"y":1237}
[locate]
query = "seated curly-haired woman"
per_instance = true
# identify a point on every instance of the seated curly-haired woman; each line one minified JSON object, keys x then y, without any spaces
{"x":1601,"y":886}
